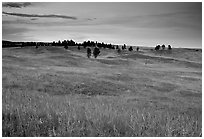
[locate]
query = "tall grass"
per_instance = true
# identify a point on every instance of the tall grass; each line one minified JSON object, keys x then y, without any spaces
{"x":40,"y":100}
{"x":70,"y":116}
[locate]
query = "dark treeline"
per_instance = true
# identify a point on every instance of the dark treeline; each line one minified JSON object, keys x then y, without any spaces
{"x":162,"y":47}
{"x":67,"y":43}
{"x":23,"y":44}
{"x":84,"y":44}
{"x":64,"y":43}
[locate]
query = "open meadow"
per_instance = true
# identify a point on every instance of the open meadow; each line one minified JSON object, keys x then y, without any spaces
{"x":51,"y":91}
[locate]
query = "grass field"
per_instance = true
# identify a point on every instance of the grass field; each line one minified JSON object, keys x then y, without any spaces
{"x":51,"y":91}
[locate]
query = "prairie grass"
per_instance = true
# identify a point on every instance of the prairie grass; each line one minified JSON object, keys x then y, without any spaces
{"x":99,"y":116}
{"x":61,"y":93}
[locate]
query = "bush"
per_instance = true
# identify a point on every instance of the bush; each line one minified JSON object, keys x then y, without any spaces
{"x":157,"y":47}
{"x":169,"y":47}
{"x":130,"y":48}
{"x":66,"y":47}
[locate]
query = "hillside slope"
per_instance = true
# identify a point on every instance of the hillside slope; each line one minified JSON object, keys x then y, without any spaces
{"x":46,"y":91}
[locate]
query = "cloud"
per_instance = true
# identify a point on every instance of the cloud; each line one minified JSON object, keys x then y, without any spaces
{"x":43,"y":16}
{"x":172,"y":20}
{"x":15,"y":33}
{"x":16,"y":4}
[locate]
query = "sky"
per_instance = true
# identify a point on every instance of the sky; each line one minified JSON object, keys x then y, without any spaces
{"x":132,"y":23}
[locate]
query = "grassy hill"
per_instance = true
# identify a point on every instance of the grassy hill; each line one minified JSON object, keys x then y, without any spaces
{"x":51,"y":91}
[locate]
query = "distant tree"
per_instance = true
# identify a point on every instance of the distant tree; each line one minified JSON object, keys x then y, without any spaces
{"x":163,"y":46}
{"x":169,"y":47}
{"x":117,"y":47}
{"x":88,"y":50}
{"x":66,"y":46}
{"x":119,"y":50}
{"x":138,"y":48}
{"x":88,"y":43}
{"x":130,"y":48}
{"x":53,"y":43}
{"x":85,"y":44}
{"x":59,"y":43}
{"x":78,"y":44}
{"x":22,"y":44}
{"x":92,"y":43}
{"x":110,"y":46}
{"x":103,"y":45}
{"x":71,"y":43}
{"x":157,"y":47}
{"x":96,"y":51}
{"x":64,"y":43}
{"x":78,"y":47}
{"x":124,"y":46}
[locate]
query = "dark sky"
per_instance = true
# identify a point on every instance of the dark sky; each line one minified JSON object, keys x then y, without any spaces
{"x":135,"y":23}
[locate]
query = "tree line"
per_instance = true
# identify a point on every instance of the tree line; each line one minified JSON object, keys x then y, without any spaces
{"x":64,"y":43}
{"x":69,"y":43}
{"x":162,"y":47}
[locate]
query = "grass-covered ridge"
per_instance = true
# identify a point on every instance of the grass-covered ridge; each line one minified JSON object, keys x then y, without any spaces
{"x":55,"y":92}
